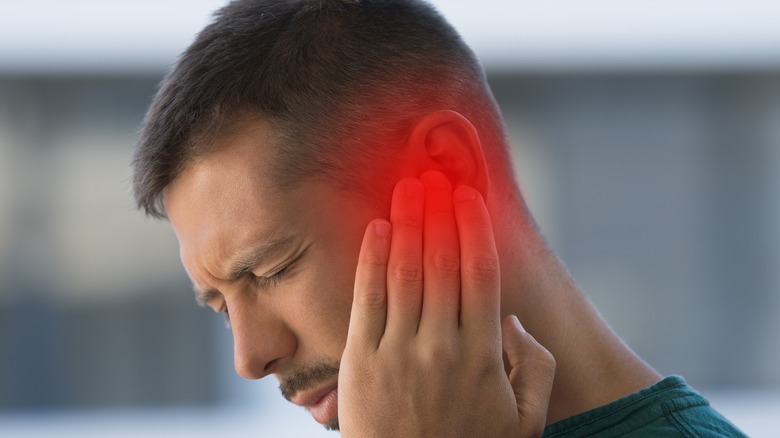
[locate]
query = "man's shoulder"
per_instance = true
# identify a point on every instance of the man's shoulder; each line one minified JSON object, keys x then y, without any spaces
{"x":669,"y":408}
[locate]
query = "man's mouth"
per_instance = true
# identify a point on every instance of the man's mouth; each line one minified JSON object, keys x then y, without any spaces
{"x":322,"y":403}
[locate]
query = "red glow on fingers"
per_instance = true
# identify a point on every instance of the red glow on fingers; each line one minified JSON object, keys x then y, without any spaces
{"x":441,"y":254}
{"x":465,"y":193}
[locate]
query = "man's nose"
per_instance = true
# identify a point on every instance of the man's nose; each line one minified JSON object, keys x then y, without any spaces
{"x":261,"y":343}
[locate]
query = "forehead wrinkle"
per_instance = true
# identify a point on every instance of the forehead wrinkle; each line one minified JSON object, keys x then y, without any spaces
{"x":241,"y":265}
{"x":204,"y":295}
{"x":217,"y":203}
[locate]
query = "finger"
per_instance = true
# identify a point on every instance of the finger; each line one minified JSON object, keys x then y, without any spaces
{"x":405,"y":268}
{"x":531,"y":377}
{"x":369,"y":302}
{"x":479,"y":268}
{"x":441,"y":257}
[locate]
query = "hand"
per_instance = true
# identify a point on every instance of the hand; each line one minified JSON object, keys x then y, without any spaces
{"x":423,"y":353}
{"x":531,"y":375}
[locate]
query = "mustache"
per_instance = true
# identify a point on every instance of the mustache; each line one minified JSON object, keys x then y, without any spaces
{"x":307,"y":377}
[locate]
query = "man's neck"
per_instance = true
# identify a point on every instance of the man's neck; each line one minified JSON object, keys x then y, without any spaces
{"x":594,"y":367}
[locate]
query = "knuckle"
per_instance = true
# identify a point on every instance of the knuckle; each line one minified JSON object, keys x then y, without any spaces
{"x":407,"y":273}
{"x":412,"y":223}
{"x":548,"y":361}
{"x":541,"y":362}
{"x":541,"y":355}
{"x":441,"y":213}
{"x":484,"y":269}
{"x":446,"y":262}
{"x":374,"y":260}
{"x":371,"y":298}
{"x":439,"y":355}
{"x":488,"y":365}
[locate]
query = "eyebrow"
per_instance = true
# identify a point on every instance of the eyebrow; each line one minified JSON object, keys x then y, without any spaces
{"x":242,"y":265}
{"x":204,"y":296}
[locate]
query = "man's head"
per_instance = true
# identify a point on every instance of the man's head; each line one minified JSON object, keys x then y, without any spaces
{"x":340,"y":81}
{"x":279,"y":135}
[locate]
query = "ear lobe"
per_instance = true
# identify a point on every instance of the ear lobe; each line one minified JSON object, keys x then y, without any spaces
{"x":450,"y":144}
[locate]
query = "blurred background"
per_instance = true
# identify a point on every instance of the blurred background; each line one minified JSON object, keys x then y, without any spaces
{"x":647,"y":140}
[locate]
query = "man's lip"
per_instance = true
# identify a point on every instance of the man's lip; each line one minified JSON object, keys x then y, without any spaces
{"x":310,"y":398}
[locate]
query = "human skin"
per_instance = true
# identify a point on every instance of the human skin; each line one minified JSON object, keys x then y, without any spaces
{"x":423,"y":354}
{"x":223,"y":205}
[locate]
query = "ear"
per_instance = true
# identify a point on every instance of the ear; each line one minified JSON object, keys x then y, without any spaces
{"x":448,"y":142}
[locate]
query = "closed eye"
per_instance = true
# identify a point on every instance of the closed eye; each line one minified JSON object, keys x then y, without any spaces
{"x":273,"y":280}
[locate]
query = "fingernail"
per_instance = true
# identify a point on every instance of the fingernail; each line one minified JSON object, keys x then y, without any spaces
{"x":382,"y":229}
{"x":517,"y":324}
{"x":413,"y":189}
{"x":436,"y":179}
{"x":465,"y":193}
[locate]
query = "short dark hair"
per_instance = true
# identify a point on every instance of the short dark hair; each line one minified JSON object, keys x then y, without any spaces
{"x":338,"y":80}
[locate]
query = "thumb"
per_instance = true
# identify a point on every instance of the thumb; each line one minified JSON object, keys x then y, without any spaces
{"x":531,"y":377}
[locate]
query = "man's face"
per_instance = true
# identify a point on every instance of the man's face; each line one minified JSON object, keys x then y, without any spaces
{"x":281,"y":264}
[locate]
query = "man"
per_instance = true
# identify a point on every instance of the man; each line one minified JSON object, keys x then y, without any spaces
{"x":280,"y":144}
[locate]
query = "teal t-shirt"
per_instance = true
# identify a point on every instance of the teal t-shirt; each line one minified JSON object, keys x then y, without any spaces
{"x":668,"y":408}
